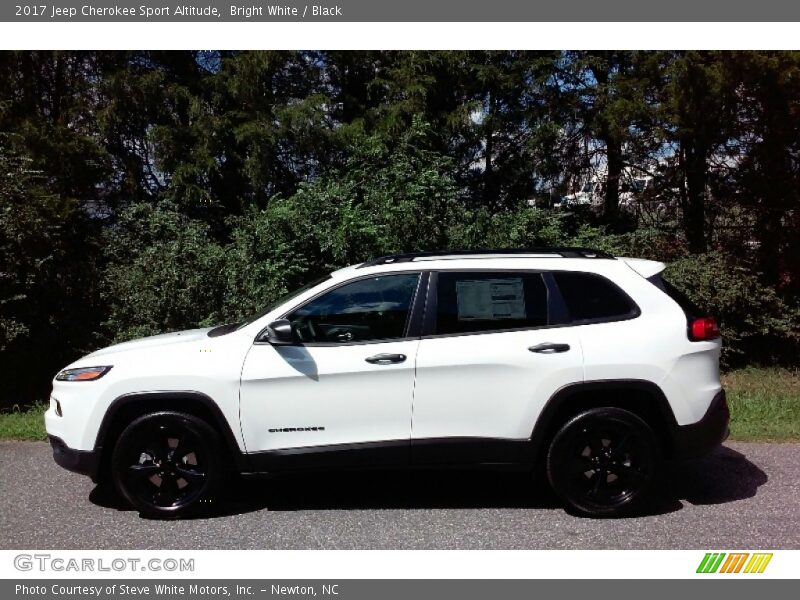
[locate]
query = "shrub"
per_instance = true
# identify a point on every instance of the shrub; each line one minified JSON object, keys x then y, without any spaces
{"x":262,"y":262}
{"x":757,"y":325}
{"x":164,"y":273}
{"x":523,"y":227}
{"x":165,"y":270}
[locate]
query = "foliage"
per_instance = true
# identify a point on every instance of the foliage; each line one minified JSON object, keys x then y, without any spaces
{"x":163,"y":272}
{"x":389,"y":196}
{"x":146,"y":191}
{"x":755,"y":322}
{"x":17,"y":184}
{"x":166,"y":271}
{"x":522,"y":227}
{"x":47,"y":273}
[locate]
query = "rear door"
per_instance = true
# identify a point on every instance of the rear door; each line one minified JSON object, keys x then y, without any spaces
{"x":496,"y":349}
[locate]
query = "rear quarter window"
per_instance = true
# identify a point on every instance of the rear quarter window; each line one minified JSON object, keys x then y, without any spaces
{"x":690,"y":309}
{"x":592,"y":298}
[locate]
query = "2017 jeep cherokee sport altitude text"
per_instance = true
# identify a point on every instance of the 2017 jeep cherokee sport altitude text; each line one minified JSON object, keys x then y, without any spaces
{"x":588,"y":365}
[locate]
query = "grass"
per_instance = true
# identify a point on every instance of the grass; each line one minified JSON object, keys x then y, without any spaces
{"x":765,"y":406}
{"x":23,"y":424}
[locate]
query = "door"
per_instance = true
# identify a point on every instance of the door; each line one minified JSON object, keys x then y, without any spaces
{"x":490,"y":358}
{"x":348,"y":380}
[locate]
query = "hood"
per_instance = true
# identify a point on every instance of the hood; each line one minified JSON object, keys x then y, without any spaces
{"x":165,"y":339}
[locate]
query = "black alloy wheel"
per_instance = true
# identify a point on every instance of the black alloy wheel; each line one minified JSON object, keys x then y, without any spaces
{"x":604,"y":462}
{"x":167,"y":464}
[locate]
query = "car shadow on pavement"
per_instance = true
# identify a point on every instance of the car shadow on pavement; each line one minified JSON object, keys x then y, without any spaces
{"x":724,"y":476}
{"x":369,"y":489}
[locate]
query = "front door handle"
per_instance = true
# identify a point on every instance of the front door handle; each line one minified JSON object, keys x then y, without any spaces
{"x":549,"y":348}
{"x":386,"y":359}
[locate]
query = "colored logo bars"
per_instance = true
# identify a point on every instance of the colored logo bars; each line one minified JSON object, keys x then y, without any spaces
{"x":736,"y":562}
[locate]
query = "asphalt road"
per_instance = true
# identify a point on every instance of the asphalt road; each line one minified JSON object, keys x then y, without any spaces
{"x":742,"y":496}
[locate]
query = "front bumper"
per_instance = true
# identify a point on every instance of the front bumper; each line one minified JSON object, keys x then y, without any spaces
{"x":698,"y":439}
{"x":85,"y":462}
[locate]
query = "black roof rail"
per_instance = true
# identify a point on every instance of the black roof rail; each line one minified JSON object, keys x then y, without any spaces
{"x":563,"y":252}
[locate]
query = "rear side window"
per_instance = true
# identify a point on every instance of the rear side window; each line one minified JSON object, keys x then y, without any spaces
{"x":589,"y":297}
{"x":469,"y":302}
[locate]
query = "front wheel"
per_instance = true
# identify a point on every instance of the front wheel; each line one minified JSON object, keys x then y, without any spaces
{"x":604,"y":462}
{"x":167,"y":464}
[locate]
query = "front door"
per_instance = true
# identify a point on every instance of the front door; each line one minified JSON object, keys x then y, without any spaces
{"x":348,"y":381}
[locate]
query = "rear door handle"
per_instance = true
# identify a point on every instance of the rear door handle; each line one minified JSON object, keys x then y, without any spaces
{"x":386,"y":359}
{"x":549,"y":348}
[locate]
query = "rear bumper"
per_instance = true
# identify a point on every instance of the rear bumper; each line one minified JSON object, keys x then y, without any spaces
{"x":698,"y":439}
{"x":85,"y":462}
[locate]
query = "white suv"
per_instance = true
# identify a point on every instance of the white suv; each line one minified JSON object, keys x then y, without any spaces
{"x":591,"y":367}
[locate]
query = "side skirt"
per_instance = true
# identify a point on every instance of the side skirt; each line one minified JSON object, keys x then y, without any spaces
{"x":427,"y":453}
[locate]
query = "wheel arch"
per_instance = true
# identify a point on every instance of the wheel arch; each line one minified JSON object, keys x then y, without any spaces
{"x":641,"y":397}
{"x":124,"y":409}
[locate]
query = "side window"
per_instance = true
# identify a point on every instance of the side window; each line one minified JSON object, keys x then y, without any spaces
{"x":590,"y":297}
{"x":375,"y":308}
{"x":486,"y":301}
{"x":690,"y":309}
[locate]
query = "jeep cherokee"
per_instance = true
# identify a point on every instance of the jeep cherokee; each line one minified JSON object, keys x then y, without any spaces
{"x":589,"y":366}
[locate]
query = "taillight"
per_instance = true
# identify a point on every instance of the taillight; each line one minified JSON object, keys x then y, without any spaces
{"x":704,"y":328}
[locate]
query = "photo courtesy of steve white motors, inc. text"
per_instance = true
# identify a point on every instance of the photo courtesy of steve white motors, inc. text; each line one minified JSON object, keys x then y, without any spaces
{"x":158,"y":589}
{"x":241,"y":11}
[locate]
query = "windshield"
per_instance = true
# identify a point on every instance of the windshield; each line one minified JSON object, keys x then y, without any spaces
{"x":283,"y":299}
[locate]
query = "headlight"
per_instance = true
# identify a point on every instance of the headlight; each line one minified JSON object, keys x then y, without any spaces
{"x":82,"y":374}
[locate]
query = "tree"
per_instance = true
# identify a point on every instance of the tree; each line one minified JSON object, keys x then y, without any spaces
{"x":55,"y":176}
{"x":488,"y":112}
{"x":389,"y":196}
{"x":49,"y":106}
{"x":768,"y":139}
{"x":615,"y":105}
{"x":698,"y":114}
{"x":197,"y":186}
{"x":48,"y":281}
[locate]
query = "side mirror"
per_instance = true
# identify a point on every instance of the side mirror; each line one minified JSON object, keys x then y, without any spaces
{"x":280,"y":333}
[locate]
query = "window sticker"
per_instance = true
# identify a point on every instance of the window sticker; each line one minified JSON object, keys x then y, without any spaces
{"x":488,"y":299}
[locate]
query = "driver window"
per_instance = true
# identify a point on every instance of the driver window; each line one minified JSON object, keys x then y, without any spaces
{"x":375,"y":308}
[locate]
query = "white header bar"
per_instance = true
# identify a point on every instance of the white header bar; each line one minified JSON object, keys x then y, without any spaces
{"x":398,"y":36}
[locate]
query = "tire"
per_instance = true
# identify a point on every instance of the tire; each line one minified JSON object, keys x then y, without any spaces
{"x":604,"y":462}
{"x":168,"y":464}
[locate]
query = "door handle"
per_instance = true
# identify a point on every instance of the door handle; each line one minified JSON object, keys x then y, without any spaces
{"x":549,"y":348}
{"x":386,"y":359}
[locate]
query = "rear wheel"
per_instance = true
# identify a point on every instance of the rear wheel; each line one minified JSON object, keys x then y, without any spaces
{"x":604,"y":462}
{"x":168,"y":464}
